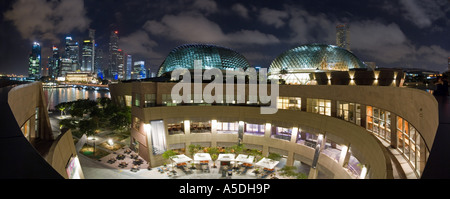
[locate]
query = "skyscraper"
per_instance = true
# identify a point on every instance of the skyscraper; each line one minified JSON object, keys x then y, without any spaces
{"x":128,"y":67}
{"x":34,"y":67}
{"x":343,"y":36}
{"x":54,"y":63}
{"x":87,"y":55}
{"x":139,"y":71}
{"x":112,"y":70}
{"x":99,"y":62}
{"x":72,"y":52}
{"x":120,"y":64}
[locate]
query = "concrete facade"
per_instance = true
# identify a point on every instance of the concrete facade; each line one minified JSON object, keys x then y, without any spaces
{"x":417,"y":107}
{"x":33,"y":133}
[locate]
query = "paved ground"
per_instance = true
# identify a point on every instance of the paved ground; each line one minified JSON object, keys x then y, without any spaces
{"x":93,"y":169}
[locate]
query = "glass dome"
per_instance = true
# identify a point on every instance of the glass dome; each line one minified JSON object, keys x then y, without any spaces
{"x":212,"y":56}
{"x":313,"y":57}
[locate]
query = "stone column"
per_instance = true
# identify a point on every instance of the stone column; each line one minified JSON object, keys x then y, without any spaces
{"x":290,"y":158}
{"x":213,"y":133}
{"x":303,"y":105}
{"x":394,"y":130}
{"x":333,"y":108}
{"x":345,"y":156}
{"x":363,"y":116}
{"x":319,"y":147}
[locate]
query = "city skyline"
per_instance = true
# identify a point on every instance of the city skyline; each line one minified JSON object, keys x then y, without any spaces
{"x":391,"y":34}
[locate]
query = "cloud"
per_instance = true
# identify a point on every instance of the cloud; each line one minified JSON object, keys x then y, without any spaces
{"x":425,"y":12}
{"x":197,"y":28}
{"x":208,"y":6}
{"x":309,"y":28}
{"x":380,"y":41}
{"x":139,"y":43}
{"x":241,"y":10}
{"x":272,"y":17}
{"x":43,"y":20}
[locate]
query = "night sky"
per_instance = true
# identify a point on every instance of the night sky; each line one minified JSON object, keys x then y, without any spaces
{"x":404,"y":33}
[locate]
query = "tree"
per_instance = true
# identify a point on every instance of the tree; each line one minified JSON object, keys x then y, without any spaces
{"x":214,"y":151}
{"x":120,"y":120}
{"x":274,"y":156}
{"x":290,"y":172}
{"x":67,"y":123}
{"x":62,"y":107}
{"x":194,"y":148}
{"x":238,"y":148}
{"x":104,"y":101}
{"x":169,"y":154}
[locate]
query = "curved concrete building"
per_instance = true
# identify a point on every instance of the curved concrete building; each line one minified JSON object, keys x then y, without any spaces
{"x":338,"y":131}
{"x":29,"y":147}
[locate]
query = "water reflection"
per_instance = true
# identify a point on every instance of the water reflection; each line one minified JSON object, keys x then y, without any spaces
{"x":55,"y":96}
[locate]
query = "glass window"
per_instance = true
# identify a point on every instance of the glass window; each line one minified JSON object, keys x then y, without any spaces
{"x":320,"y":106}
{"x":137,"y":100}
{"x":175,"y":128}
{"x":254,"y":129}
{"x":227,"y":127}
{"x":369,"y":114}
{"x":281,"y":133}
{"x":307,"y":137}
{"x":158,"y":137}
{"x":150,"y":100}
{"x":167,"y":100}
{"x":128,"y":100}
{"x":292,"y":103}
{"x":200,"y":127}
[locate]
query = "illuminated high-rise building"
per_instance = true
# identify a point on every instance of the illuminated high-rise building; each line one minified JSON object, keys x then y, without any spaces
{"x":121,"y":64}
{"x":112,"y":71}
{"x":139,"y":71}
{"x":54,"y":63}
{"x":87,"y":55}
{"x":34,"y":66}
{"x":343,"y":36}
{"x":72,"y":51}
{"x":99,"y":62}
{"x":128,"y":67}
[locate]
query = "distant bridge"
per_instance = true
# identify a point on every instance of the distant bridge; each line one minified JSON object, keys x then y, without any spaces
{"x":78,"y":85}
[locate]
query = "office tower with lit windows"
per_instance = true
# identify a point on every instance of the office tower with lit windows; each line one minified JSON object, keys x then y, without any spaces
{"x":139,"y":71}
{"x":121,"y":64}
{"x":128,"y":67}
{"x":71,"y":53}
{"x":87,"y":55}
{"x":111,"y":72}
{"x":99,"y":62}
{"x":54,"y":63}
{"x":343,"y":36}
{"x":34,"y":66}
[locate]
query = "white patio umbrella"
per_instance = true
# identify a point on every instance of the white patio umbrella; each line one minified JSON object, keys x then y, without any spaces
{"x":245,"y":158}
{"x":267,"y":163}
{"x":198,"y":157}
{"x":179,"y":159}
